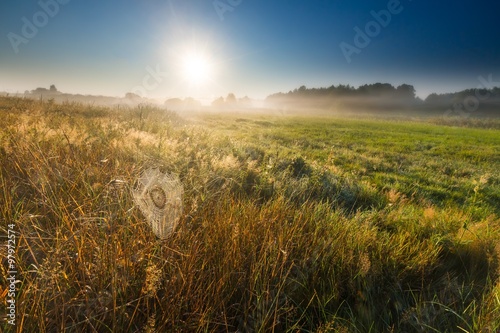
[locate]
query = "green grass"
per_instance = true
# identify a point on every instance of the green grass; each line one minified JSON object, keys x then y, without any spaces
{"x":314,"y":224}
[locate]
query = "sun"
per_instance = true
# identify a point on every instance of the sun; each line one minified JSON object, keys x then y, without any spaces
{"x":196,"y":68}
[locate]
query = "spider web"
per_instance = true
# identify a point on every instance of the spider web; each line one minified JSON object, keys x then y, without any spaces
{"x":163,"y":218}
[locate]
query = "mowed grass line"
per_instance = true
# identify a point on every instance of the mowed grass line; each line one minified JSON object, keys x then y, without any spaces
{"x":290,"y":224}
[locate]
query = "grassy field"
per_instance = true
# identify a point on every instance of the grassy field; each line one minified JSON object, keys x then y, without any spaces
{"x":290,"y":223}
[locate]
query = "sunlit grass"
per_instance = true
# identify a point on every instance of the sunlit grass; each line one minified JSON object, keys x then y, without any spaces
{"x":289,"y":223}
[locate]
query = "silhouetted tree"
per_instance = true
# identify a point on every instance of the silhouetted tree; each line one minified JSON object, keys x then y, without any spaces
{"x":406,"y":91}
{"x":53,"y":88}
{"x":377,"y":90}
{"x":40,"y":91}
{"x":432,"y":98}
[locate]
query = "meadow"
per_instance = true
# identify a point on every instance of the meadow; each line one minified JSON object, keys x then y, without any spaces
{"x":290,"y":223}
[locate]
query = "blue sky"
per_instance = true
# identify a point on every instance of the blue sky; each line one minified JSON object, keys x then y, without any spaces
{"x":252,"y":47}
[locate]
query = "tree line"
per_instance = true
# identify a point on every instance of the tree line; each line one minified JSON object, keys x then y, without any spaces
{"x":385,"y":96}
{"x":384,"y":90}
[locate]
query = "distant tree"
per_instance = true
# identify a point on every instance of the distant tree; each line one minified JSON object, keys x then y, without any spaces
{"x":441,"y":99}
{"x":406,"y":91}
{"x":380,"y":95}
{"x":132,"y":96}
{"x":218,"y":102}
{"x":432,"y":98}
{"x":344,"y":89}
{"x":377,"y":89}
{"x":53,"y":88}
{"x":245,"y":101}
{"x":173,"y":102}
{"x":178,"y":104}
{"x":40,"y":91}
{"x":231,"y":99}
{"x":191,"y":103}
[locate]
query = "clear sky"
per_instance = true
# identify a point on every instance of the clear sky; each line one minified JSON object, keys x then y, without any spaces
{"x":206,"y":48}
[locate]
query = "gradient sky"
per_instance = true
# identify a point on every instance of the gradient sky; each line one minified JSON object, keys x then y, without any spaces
{"x":257,"y":48}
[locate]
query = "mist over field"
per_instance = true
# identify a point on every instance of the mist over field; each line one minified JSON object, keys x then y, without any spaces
{"x":375,"y":99}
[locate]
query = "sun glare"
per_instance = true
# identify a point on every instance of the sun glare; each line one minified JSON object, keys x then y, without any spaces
{"x":196,"y":69}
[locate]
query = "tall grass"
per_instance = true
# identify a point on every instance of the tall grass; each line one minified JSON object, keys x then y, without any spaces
{"x":285,"y":228}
